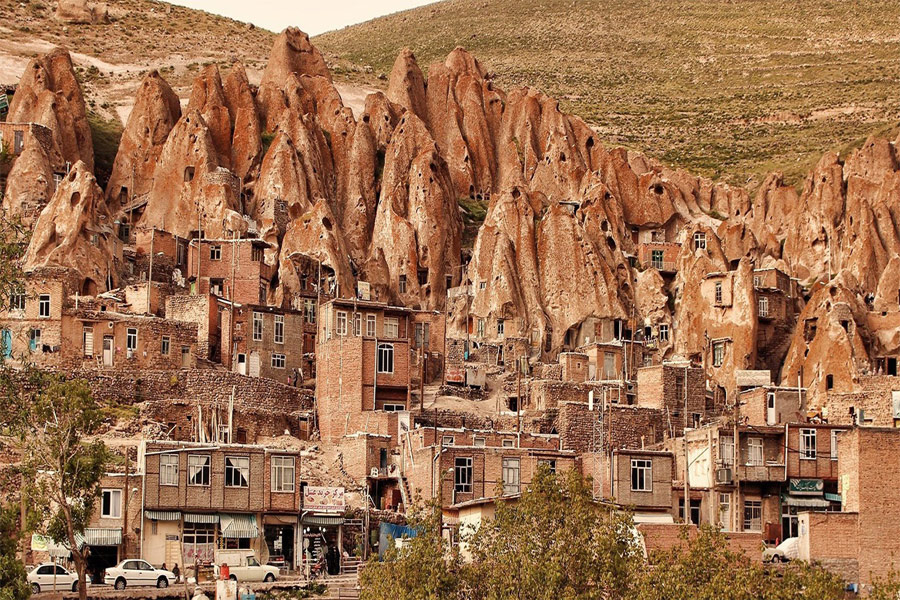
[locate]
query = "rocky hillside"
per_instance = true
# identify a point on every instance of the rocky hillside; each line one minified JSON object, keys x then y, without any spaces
{"x":725,"y":89}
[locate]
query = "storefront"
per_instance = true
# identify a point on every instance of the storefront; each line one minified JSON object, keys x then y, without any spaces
{"x":281,"y":540}
{"x":103,"y":549}
{"x":804,"y":495}
{"x":322,"y":521}
{"x":199,"y":538}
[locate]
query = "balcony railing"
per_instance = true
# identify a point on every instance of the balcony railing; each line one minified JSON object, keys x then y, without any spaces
{"x":767,"y":472}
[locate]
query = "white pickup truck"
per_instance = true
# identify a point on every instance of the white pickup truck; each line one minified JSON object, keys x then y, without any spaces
{"x":245,"y":567}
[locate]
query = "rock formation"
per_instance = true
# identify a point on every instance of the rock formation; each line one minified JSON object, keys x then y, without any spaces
{"x":49,"y":94}
{"x":81,"y":12}
{"x":29,"y":184}
{"x":246,"y":144}
{"x":156,"y":110}
{"x":75,"y":231}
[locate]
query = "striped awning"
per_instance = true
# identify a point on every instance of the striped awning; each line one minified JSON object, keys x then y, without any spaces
{"x":322,"y":520}
{"x":100,"y":536}
{"x":196,"y":518}
{"x":163,"y":515}
{"x":833,"y":497}
{"x":238,"y":526}
{"x":805,"y":502}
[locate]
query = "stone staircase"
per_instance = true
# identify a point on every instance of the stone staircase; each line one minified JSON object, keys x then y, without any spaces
{"x":345,"y":585}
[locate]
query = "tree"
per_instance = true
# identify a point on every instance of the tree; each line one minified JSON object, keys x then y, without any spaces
{"x":424,"y":568}
{"x":61,"y":466}
{"x":13,"y":585}
{"x":555,"y":542}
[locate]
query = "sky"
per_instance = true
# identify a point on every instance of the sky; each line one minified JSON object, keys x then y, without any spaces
{"x":312,"y":16}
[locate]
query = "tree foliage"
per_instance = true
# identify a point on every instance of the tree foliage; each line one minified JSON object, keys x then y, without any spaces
{"x":62,"y":465}
{"x":13,"y":585}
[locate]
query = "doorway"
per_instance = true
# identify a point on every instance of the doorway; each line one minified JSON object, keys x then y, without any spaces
{"x":242,"y":364}
{"x":107,"y":350}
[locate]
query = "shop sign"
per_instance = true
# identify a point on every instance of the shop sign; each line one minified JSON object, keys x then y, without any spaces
{"x":806,"y":486}
{"x":324,"y":499}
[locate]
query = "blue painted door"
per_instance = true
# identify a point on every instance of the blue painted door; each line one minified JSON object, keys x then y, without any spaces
{"x":7,"y":343}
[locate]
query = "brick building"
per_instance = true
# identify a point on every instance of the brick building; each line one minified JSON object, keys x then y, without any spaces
{"x":659,"y":255}
{"x":674,"y":388}
{"x":637,"y":478}
{"x":230,"y":268}
{"x":773,"y":405}
{"x":199,"y":498}
{"x":812,"y":473}
{"x":371,"y":351}
{"x":265,"y":341}
{"x":875,"y":403}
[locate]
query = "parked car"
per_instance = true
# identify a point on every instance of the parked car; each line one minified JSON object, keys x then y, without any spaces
{"x":136,"y":572}
{"x":786,"y":551}
{"x":247,"y":568}
{"x":41,"y":579}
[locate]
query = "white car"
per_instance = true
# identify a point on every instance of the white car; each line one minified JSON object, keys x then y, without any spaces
{"x":135,"y":572}
{"x":42,"y":579}
{"x":250,"y":570}
{"x":787,"y":550}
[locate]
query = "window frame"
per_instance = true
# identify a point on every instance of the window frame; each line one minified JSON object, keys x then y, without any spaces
{"x":117,"y":513}
{"x":257,"y":326}
{"x":277,"y":357}
{"x":664,"y":332}
{"x":131,"y":339}
{"x":203,"y":468}
{"x":165,"y":345}
{"x":340,"y":324}
{"x":763,"y":308}
{"x":808,"y":443}
{"x":17,"y":301}
{"x":278,"y":330}
{"x":642,"y":469}
{"x":699,"y":240}
{"x":834,"y":442}
{"x":232,"y":466}
{"x":168,"y":471}
{"x":719,"y":292}
{"x":281,"y":465}
{"x":726,"y":441}
{"x":462,"y":474}
{"x":511,"y":464}
{"x":371,"y":325}
{"x":752,"y":447}
{"x":44,"y":306}
{"x":215,"y":252}
{"x":384,"y":353}
{"x":754,"y":506}
{"x":391,"y":325}
{"x":718,"y":352}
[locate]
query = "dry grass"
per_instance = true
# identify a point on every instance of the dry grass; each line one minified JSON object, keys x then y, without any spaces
{"x":726,"y":89}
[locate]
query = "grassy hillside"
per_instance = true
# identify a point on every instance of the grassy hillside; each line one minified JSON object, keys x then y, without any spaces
{"x":725,"y":88}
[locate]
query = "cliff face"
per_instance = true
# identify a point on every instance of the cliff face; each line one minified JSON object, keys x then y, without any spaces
{"x":569,"y":227}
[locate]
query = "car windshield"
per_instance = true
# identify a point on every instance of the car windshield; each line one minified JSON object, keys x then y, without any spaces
{"x":252,"y":561}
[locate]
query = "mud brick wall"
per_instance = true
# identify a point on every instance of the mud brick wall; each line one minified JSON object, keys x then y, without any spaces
{"x":452,"y":419}
{"x":549,"y":394}
{"x":831,"y":541}
{"x":874,"y":398}
{"x":581,"y":430}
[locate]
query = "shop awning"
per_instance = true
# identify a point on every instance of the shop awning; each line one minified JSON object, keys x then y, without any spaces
{"x":323,"y":520}
{"x":238,"y":526}
{"x":40,"y":543}
{"x":163,"y":515}
{"x":280,"y":519}
{"x":653,"y":517}
{"x":833,"y":497}
{"x":806,"y":502}
{"x":99,"y":536}
{"x":195,"y":518}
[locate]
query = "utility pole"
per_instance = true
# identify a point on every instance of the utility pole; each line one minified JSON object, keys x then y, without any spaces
{"x":687,"y":485}
{"x":519,"y":402}
{"x":424,"y":360}
{"x":150,"y":273}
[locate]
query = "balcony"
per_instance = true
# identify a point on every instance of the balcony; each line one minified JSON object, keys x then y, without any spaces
{"x":664,"y":266}
{"x":767,"y":472}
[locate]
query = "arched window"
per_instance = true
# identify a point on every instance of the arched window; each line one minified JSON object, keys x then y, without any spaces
{"x":385,"y":358}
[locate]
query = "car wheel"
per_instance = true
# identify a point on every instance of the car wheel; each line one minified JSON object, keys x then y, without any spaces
{"x":162,"y":582}
{"x":75,"y":586}
{"x":120,"y":583}
{"x":269,"y":578}
{"x":776,"y":559}
{"x":35,"y":588}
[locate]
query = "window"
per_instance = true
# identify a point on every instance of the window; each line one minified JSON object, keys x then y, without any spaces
{"x":17,"y":301}
{"x":165,"y":346}
{"x":257,"y":327}
{"x":44,"y":305}
{"x":277,"y":361}
{"x":237,"y":471}
{"x":664,"y":333}
{"x":808,"y":444}
{"x":829,"y":382}
{"x":394,"y":407}
{"x":757,"y":280}
{"x":357,"y":324}
{"x":198,"y":469}
{"x":310,"y":308}
{"x":726,"y":450}
{"x":480,"y":330}
{"x":87,"y":340}
{"x":700,"y":241}
{"x":422,"y":335}
{"x":752,"y":515}
{"x":188,"y":174}
{"x":500,"y":326}
{"x":180,"y":253}
{"x":341,"y":327}
{"x":718,"y":354}
{"x":755,"y":452}
{"x":168,"y":469}
{"x":718,"y":292}
{"x":725,"y":511}
{"x":370,"y":325}
{"x":282,"y":473}
{"x":510,"y":475}
{"x":256,"y":254}
{"x":112,"y":504}
{"x":215,"y":253}
{"x":764,"y":306}
{"x":462,"y":475}
{"x":34,"y":340}
{"x":391,"y":328}
{"x":447,"y":440}
{"x":131,"y":339}
{"x":401,"y":284}
{"x":508,"y":443}
{"x":641,"y":475}
{"x":216,"y":286}
{"x":385,"y":358}
{"x":482,"y":285}
{"x":479,"y":442}
{"x":550,"y":463}
{"x":656,"y":259}
{"x":18,"y":142}
{"x":279,"y":329}
{"x":834,"y":443}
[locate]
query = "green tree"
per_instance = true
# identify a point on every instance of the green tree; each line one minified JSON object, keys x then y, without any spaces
{"x":13,"y":585}
{"x":555,"y":542}
{"x":61,"y":464}
{"x":425,"y":567}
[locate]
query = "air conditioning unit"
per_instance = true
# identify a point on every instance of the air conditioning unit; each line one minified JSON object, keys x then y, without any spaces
{"x":723,"y":475}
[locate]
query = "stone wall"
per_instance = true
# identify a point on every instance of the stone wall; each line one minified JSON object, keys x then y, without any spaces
{"x":874,"y":398}
{"x":582,"y":430}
